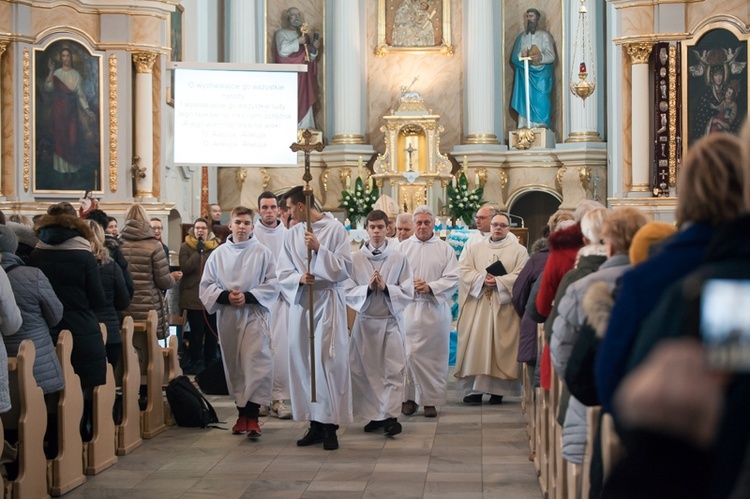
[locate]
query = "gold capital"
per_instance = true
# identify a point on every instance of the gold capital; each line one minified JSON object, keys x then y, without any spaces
{"x":3,"y":46}
{"x":639,"y":52}
{"x":144,"y":61}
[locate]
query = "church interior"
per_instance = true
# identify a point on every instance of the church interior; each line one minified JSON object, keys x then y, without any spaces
{"x":410,"y":97}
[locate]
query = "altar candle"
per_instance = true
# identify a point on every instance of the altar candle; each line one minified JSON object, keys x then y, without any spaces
{"x":369,"y":183}
{"x":348,"y":183}
{"x":476,"y":180}
{"x":466,"y":163}
{"x":359,"y":167}
{"x":453,"y":182}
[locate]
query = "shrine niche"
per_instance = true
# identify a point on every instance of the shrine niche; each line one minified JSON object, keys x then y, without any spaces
{"x":412,"y":170}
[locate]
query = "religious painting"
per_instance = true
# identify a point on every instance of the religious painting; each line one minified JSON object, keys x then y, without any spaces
{"x":414,"y":26}
{"x":717,"y":84}
{"x":67,"y":118}
{"x":175,"y":43}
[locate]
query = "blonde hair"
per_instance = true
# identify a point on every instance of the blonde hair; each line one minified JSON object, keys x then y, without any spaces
{"x":97,"y":243}
{"x":592,"y":224}
{"x":137,"y":212}
{"x":557,"y":217}
{"x":711,"y":183}
{"x":621,"y":226}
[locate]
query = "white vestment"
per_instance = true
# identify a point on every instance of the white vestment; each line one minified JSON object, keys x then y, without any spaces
{"x":427,"y":319}
{"x":488,"y":326}
{"x":376,"y":351}
{"x":244,"y":333}
{"x":273,"y":239}
{"x":331,"y":266}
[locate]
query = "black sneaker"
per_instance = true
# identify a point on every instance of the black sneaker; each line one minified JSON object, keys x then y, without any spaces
{"x":374,"y":426}
{"x":330,"y":440}
{"x":475,"y":399}
{"x":313,"y":436}
{"x":391,"y":427}
{"x":496,"y":399}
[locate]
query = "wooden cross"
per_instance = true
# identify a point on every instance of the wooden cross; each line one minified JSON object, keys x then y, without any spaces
{"x":307,"y":148}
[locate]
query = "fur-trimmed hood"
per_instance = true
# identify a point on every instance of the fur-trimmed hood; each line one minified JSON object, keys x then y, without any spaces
{"x":538,"y":245}
{"x":56,"y":229}
{"x":24,"y":233}
{"x":597,"y":307}
{"x":566,"y":238}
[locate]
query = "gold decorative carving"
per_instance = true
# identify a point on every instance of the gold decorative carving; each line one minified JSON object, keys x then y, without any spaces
{"x":672,"y":116}
{"x":240,"y":174}
{"x":560,"y":174}
{"x":26,"y":120}
{"x":639,"y":52}
{"x":503,"y":179}
{"x":584,"y":173}
{"x":348,"y":138}
{"x":344,"y":174}
{"x":266,"y":178}
{"x":3,"y":46}
{"x":482,"y":174}
{"x":324,"y":178}
{"x":481,"y":138}
{"x":113,"y":123}
{"x":144,"y":61}
{"x":525,"y":137}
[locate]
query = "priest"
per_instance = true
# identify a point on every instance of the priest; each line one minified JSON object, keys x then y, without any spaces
{"x":427,"y":319}
{"x":380,"y":288}
{"x":488,"y":327}
{"x":331,"y":265}
{"x":239,"y":284}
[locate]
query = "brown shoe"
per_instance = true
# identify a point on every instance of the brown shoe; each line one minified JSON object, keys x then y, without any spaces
{"x":430,"y":411}
{"x":409,"y":407}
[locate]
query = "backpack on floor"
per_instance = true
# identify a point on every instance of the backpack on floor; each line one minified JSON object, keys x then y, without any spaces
{"x":189,"y":407}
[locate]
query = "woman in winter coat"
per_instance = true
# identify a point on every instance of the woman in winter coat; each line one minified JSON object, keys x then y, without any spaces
{"x":40,"y":309}
{"x":10,"y":322}
{"x":149,"y":268}
{"x":115,"y":292}
{"x":63,"y":254}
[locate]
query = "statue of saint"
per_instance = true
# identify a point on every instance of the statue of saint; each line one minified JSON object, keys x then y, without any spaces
{"x":293,"y":46}
{"x":540,"y":47}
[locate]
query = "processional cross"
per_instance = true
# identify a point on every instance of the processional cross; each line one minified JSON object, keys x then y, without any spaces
{"x":307,"y":148}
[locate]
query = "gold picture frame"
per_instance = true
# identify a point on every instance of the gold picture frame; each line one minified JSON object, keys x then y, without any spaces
{"x":414,"y":27}
{"x":68,"y":135}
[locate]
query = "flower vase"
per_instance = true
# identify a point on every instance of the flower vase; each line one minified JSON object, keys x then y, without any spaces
{"x":360,"y":223}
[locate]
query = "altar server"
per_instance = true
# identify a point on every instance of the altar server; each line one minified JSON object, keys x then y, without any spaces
{"x":380,"y":288}
{"x":239,"y":284}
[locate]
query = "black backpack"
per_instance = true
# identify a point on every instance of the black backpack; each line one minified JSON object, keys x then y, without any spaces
{"x":189,"y":407}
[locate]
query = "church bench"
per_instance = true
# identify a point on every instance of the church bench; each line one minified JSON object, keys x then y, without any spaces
{"x":129,"y":430}
{"x":172,"y":369}
{"x":28,"y":416}
{"x":99,"y":453}
{"x":65,"y":471}
{"x":592,"y":426}
{"x":145,"y":340}
{"x":612,"y":449}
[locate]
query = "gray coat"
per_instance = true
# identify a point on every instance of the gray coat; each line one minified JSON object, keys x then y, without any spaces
{"x":10,"y":322}
{"x":565,"y":332}
{"x":40,"y":309}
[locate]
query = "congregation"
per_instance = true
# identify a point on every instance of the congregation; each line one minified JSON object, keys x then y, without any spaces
{"x":620,"y":300}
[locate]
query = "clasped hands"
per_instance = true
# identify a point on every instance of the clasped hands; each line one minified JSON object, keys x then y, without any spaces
{"x":236,"y":298}
{"x":489,"y":281}
{"x":377,"y":281}
{"x":421,"y":287}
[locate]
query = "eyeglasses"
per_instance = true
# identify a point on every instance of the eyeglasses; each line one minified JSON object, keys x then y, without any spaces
{"x":502,"y":226}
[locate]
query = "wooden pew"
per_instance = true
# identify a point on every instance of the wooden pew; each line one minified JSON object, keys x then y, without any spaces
{"x":592,"y":426}
{"x":65,"y":471}
{"x":100,"y":451}
{"x":152,"y":418}
{"x":129,"y":431}
{"x":28,"y":415}
{"x":172,"y":369}
{"x":612,"y":449}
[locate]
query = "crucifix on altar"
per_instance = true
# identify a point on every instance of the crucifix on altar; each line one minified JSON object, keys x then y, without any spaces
{"x":410,"y":150}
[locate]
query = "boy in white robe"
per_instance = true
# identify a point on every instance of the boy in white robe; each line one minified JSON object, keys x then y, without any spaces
{"x":380,"y":288}
{"x":330,"y":266}
{"x":239,"y":284}
{"x":427,"y":319}
{"x":271,"y":232}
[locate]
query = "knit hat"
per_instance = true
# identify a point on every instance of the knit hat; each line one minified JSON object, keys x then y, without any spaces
{"x":647,"y":235}
{"x":8,"y":240}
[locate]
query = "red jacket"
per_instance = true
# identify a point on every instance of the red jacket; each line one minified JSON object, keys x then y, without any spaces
{"x":564,"y":245}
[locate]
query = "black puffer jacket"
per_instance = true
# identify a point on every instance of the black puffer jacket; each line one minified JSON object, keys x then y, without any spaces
{"x":118,"y":298}
{"x":64,"y":255}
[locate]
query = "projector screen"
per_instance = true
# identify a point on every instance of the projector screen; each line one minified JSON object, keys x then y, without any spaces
{"x":228,"y":115}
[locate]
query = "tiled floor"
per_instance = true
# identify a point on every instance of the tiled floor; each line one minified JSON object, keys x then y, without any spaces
{"x":467,"y":452}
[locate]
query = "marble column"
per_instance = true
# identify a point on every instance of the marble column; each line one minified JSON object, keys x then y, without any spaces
{"x":3,"y":46}
{"x":640,"y":123}
{"x":479,"y":74}
{"x":347,"y":46}
{"x":241,"y":47}
{"x":144,"y":125}
{"x":583,"y":114}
